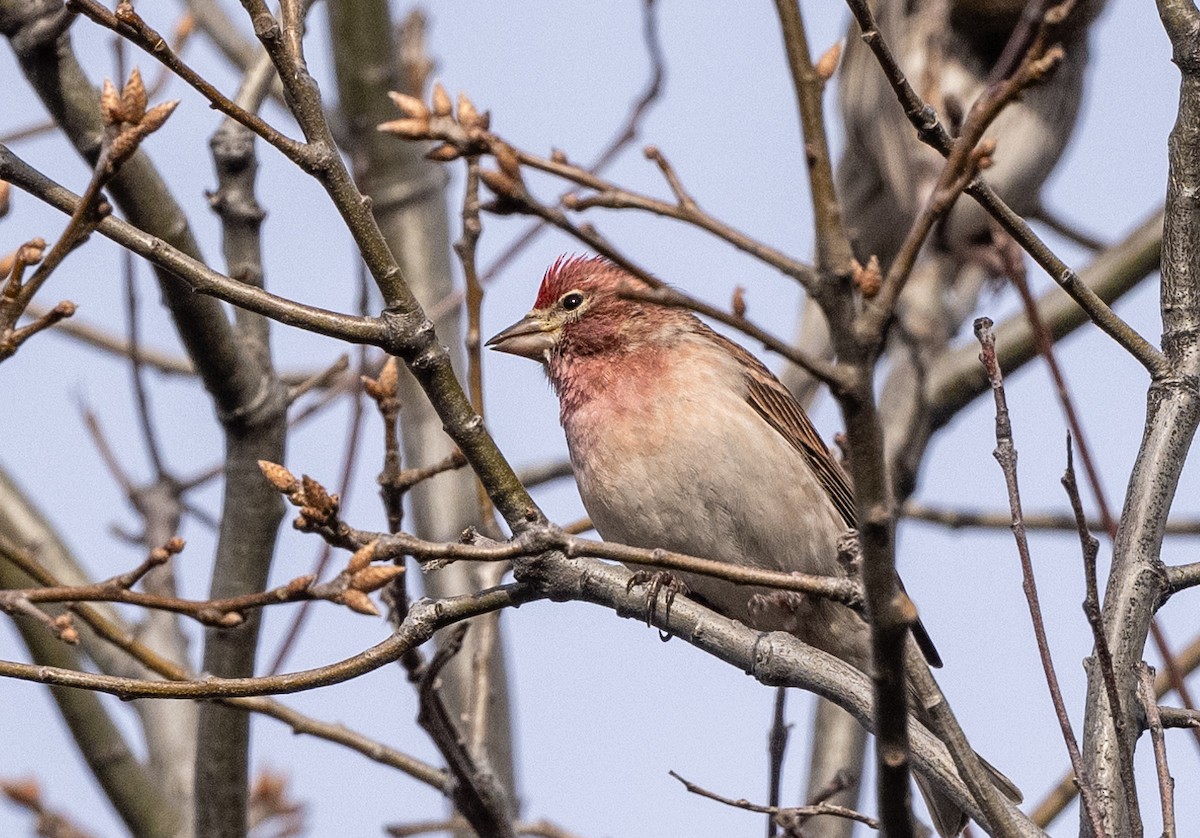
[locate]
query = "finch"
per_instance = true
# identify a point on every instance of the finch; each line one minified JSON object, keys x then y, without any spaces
{"x":681,"y":439}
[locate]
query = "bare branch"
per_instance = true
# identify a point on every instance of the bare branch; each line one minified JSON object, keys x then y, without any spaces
{"x":1064,"y":791}
{"x":1006,"y":455}
{"x":478,"y":795}
{"x":793,"y":814}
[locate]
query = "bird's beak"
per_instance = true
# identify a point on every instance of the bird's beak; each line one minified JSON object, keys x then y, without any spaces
{"x":530,"y":337}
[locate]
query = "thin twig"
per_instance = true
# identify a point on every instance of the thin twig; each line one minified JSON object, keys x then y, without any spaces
{"x":127,"y":122}
{"x":955,"y":519}
{"x":199,"y":277}
{"x":137,"y":371}
{"x":350,"y":454}
{"x":1095,"y":618}
{"x":1178,"y":717}
{"x":423,"y":620}
{"x":160,"y":361}
{"x":538,"y":539}
{"x":1067,"y":230}
{"x":456,"y":825}
{"x":128,"y":24}
{"x":775,"y":811}
{"x":1064,"y":791}
{"x":777,"y":739}
{"x":1183,"y":576}
{"x":834,"y":254}
{"x":1166,"y":783}
{"x":184,"y":28}
{"x":300,"y":723}
{"x":477,"y":793}
{"x":1044,"y":341}
{"x":546,"y":472}
{"x":626,"y":135}
{"x":1006,"y":456}
{"x":465,"y":247}
{"x":967,"y":156}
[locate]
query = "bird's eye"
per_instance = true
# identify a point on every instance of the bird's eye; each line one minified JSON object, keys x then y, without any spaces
{"x":571,"y":301}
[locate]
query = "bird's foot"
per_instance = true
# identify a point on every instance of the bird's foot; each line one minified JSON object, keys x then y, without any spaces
{"x":657,"y":582}
{"x":776,"y":610}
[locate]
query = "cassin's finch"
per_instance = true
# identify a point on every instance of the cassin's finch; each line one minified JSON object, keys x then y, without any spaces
{"x":681,"y":439}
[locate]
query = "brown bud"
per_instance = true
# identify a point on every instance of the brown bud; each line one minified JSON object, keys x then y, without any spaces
{"x":441,"y":100}
{"x":185,"y":27}
{"x":867,"y":280}
{"x":389,"y":376}
{"x":110,"y":103}
{"x":31,"y":252}
{"x":827,"y":64}
{"x":1052,"y":58}
{"x":739,"y":302}
{"x":231,"y":619}
{"x":133,"y":98}
{"x":279,"y":477}
{"x":443,"y":153}
{"x":317,"y":498}
{"x":24,"y":792}
{"x":156,"y":116}
{"x":363,"y":557}
{"x":983,"y":153}
{"x":499,"y":182}
{"x":64,"y":629}
{"x":373,"y":578}
{"x":269,"y":786}
{"x":409,"y":105}
{"x":124,"y":145}
{"x":558,"y":155}
{"x":5,"y":202}
{"x":371,"y":387}
{"x":175,"y":544}
{"x":300,"y":583}
{"x":507,"y":160}
{"x":63,"y":310}
{"x":411,"y":129}
{"x":468,"y":117}
{"x":358,"y":601}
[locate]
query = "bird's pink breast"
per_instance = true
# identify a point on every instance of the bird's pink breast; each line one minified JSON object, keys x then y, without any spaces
{"x":609,"y":388}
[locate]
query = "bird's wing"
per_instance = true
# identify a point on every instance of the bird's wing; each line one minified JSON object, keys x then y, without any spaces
{"x":772,"y":401}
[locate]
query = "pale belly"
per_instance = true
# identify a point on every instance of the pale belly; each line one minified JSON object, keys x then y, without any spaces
{"x":734,"y":491}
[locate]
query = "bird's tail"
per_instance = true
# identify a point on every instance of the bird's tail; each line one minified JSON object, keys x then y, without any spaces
{"x":948,"y":817}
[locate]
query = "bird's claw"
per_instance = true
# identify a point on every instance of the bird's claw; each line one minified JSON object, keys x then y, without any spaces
{"x":657,"y":582}
{"x":776,"y":609}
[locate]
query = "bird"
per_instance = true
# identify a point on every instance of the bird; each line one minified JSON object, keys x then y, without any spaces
{"x":681,"y":439}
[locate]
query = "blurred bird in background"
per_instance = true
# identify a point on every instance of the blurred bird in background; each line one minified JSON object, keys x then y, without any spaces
{"x":949,"y":51}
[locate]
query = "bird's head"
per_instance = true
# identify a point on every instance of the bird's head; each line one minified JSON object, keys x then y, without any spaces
{"x":580,"y":310}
